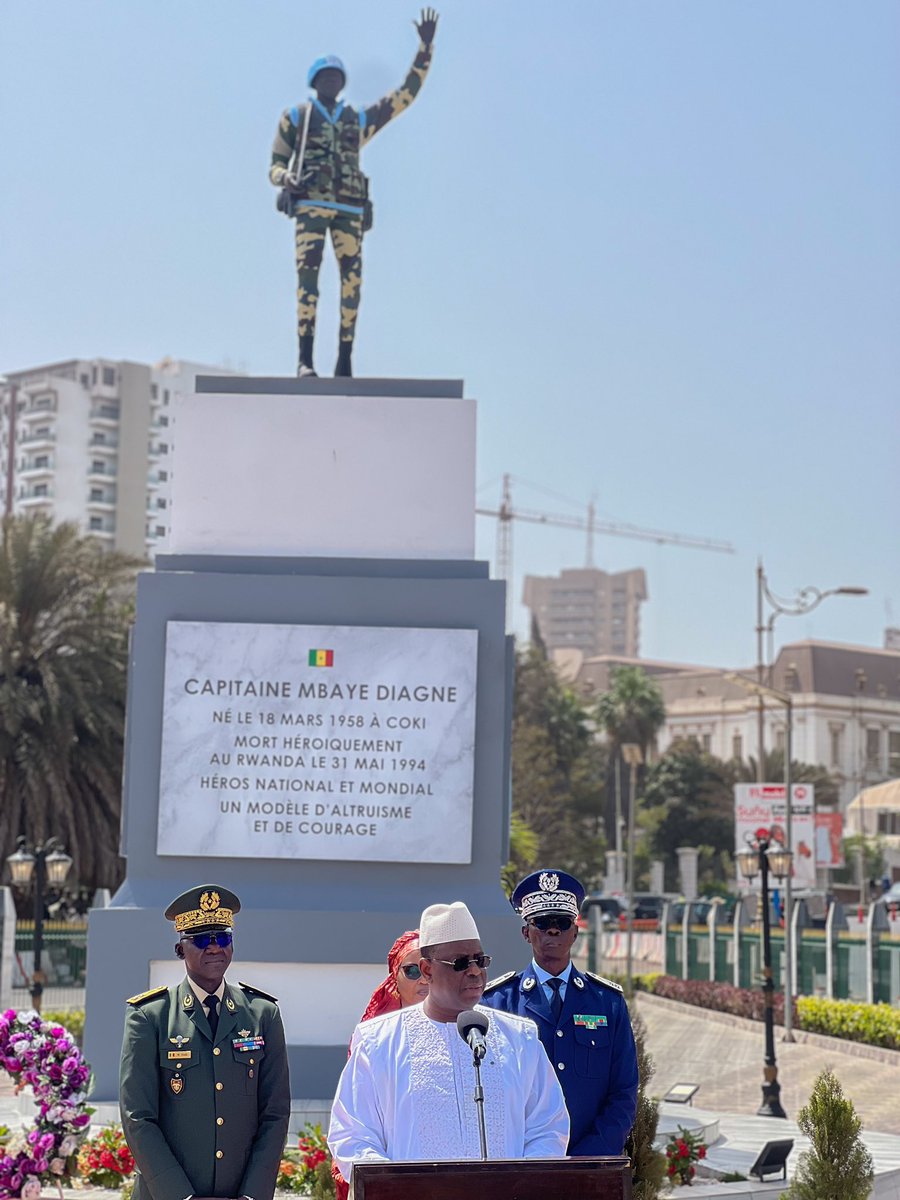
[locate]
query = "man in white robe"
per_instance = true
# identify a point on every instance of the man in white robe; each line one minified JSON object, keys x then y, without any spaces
{"x":407,"y":1091}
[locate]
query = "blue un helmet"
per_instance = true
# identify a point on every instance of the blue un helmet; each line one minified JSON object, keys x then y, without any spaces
{"x":327,"y":60}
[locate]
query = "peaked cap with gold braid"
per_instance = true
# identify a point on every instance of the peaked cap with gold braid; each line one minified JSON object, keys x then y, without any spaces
{"x":206,"y":907}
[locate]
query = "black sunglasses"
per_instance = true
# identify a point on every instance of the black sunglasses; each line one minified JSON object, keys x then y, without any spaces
{"x":413,"y":971}
{"x":201,"y":940}
{"x":563,"y":924}
{"x":481,"y":961}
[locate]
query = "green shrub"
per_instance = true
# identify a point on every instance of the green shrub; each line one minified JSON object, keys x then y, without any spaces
{"x":837,"y":1166}
{"x":874,"y":1024}
{"x":642,"y":983}
{"x":648,"y":1165}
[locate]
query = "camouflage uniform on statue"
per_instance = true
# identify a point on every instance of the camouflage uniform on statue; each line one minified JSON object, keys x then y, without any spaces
{"x":315,"y":159}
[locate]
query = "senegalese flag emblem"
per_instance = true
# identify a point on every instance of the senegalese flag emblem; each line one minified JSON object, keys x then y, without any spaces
{"x":321,"y":658}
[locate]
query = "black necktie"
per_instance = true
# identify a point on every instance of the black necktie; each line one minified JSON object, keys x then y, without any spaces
{"x":556,"y":1003}
{"x":212,"y":1004}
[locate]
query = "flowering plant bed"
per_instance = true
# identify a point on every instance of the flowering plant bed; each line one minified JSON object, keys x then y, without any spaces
{"x":682,"y":1151}
{"x":307,"y":1170}
{"x":105,"y":1159}
{"x":42,"y":1055}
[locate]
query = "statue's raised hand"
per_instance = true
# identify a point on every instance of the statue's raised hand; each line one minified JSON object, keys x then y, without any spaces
{"x":426,"y":25}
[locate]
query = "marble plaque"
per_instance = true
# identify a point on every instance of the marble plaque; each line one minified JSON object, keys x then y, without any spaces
{"x":318,"y":742}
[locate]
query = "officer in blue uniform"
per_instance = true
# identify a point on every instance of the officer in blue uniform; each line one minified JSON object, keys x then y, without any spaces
{"x":582,"y":1018}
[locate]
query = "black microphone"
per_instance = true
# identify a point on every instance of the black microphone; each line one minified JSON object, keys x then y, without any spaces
{"x":473,"y":1027}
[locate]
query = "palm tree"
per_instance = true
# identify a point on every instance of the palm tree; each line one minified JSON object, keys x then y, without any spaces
{"x":633,"y":710}
{"x":65,"y":610}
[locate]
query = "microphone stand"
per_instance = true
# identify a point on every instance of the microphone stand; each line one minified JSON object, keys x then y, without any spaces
{"x":478,"y":1053}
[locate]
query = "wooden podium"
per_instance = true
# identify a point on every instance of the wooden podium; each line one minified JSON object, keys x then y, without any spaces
{"x":500,"y":1179}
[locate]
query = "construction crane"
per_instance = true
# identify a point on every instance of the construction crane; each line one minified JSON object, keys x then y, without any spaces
{"x":506,"y":514}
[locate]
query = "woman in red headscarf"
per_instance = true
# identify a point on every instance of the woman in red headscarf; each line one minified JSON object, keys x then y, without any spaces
{"x":402,"y":987}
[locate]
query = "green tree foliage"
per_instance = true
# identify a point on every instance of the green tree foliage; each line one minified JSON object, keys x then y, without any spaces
{"x":632,"y":710}
{"x":873,"y":856}
{"x":648,"y":1165}
{"x":557,"y":773}
{"x":689,"y":801}
{"x":837,"y":1166}
{"x":65,"y":608}
{"x":524,"y":848}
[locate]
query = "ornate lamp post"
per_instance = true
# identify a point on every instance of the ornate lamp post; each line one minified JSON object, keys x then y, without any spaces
{"x":48,"y":863}
{"x":804,"y":602}
{"x":765,"y":855}
{"x":634,"y":756}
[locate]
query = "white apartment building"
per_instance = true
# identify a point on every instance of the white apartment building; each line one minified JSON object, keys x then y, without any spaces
{"x":588,"y":610}
{"x":845,"y":705}
{"x":90,"y":441}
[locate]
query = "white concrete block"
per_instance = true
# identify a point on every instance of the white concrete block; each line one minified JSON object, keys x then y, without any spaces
{"x":335,"y":476}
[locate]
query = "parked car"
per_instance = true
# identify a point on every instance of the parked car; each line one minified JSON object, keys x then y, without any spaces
{"x":648,"y":907}
{"x":700,"y":910}
{"x":611,"y":908}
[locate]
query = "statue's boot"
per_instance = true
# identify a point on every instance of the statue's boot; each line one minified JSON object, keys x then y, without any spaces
{"x":344,"y":366}
{"x":305,"y":365}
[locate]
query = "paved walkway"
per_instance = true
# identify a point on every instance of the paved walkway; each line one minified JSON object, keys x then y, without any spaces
{"x":727,"y":1061}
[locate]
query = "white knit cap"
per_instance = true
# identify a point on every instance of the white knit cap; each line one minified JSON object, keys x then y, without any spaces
{"x":447,"y":923}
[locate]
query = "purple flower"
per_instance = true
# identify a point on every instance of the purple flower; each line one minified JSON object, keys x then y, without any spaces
{"x":12,"y":1065}
{"x":70,"y":1064}
{"x":81,"y":1120}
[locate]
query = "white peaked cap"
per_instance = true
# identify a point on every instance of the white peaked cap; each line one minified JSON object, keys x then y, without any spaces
{"x":447,"y":923}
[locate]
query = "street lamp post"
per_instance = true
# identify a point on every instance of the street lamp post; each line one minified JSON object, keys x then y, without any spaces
{"x":804,"y":602}
{"x":47,"y":863}
{"x":766,"y":855}
{"x":784,"y":698}
{"x":633,"y":756}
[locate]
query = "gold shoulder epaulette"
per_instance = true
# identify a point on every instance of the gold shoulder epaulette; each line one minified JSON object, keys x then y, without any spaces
{"x":142,"y":996}
{"x":606,"y":982}
{"x":249,"y":987}
{"x":492,"y":983}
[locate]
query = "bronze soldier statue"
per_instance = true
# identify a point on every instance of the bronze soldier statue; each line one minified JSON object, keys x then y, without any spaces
{"x":315,"y":161}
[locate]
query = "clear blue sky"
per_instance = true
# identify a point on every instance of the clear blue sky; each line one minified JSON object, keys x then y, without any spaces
{"x":659,"y":241}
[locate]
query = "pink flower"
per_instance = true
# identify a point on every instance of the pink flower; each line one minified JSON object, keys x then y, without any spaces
{"x":31,"y":1190}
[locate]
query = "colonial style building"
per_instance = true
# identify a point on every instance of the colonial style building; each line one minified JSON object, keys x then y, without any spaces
{"x":845,"y":703}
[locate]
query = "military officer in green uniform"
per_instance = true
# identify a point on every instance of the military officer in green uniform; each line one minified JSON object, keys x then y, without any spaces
{"x":204,"y":1088}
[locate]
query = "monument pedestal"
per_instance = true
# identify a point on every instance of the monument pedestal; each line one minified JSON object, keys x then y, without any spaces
{"x":319,"y":705}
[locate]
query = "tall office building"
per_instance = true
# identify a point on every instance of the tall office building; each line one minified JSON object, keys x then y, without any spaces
{"x":90,"y":441}
{"x":588,"y":610}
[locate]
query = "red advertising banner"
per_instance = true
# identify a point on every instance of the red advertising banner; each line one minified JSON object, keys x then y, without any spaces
{"x":829,"y":839}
